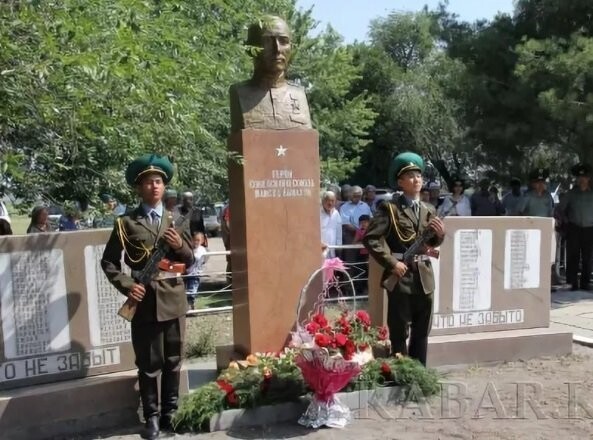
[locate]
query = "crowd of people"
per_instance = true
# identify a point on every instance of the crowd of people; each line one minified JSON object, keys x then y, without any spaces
{"x":345,"y":212}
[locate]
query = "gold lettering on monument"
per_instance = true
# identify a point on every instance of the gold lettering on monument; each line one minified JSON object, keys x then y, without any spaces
{"x":282,"y":184}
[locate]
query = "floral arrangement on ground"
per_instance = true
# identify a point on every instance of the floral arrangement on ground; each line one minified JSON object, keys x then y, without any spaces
{"x":272,"y":378}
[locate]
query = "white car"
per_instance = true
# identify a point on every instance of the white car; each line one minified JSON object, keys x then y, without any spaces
{"x":4,"y":212}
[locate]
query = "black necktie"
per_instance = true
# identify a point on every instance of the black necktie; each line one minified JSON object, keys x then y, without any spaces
{"x":154,"y":218}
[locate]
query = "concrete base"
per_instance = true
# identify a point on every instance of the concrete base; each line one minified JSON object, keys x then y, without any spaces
{"x":68,"y":408}
{"x":225,"y":354}
{"x":507,"y":345}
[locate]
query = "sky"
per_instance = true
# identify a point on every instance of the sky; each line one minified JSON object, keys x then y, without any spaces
{"x":351,"y":17}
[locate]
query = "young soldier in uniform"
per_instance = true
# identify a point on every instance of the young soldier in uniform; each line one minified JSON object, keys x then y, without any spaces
{"x":159,"y":323}
{"x":395,"y":227}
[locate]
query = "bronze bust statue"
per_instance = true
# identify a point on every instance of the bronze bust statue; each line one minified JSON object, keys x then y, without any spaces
{"x":267,"y":100}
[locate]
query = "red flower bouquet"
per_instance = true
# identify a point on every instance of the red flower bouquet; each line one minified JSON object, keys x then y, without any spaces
{"x":330,"y":355}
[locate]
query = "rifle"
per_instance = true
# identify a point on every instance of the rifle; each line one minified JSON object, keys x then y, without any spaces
{"x":151,"y":268}
{"x":416,"y":248}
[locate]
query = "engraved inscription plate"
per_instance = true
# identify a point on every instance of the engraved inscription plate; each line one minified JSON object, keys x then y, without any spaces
{"x":472,"y":270}
{"x":522,"y":259}
{"x":34,"y":303}
{"x":106,"y":327}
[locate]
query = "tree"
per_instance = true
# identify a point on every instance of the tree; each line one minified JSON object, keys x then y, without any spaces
{"x":561,"y":72}
{"x":407,"y":75}
{"x":87,"y":86}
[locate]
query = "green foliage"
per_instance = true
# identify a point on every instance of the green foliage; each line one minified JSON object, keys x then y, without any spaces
{"x":408,"y":80}
{"x":270,"y":379}
{"x":200,"y":339}
{"x":87,"y":86}
{"x":561,"y":73}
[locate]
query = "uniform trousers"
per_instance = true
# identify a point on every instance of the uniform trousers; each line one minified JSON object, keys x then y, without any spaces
{"x":158,"y":347}
{"x":409,"y":314}
{"x":579,"y":249}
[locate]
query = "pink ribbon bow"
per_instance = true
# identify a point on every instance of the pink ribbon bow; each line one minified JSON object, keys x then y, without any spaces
{"x":329,"y":266}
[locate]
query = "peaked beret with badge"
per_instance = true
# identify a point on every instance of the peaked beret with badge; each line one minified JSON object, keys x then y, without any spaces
{"x":149,"y":163}
{"x":539,"y":174}
{"x":581,"y":169}
{"x":170,"y":194}
{"x":403,"y":162}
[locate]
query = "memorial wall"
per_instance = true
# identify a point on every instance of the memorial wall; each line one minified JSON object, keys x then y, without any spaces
{"x":58,"y":311}
{"x":494,"y":273}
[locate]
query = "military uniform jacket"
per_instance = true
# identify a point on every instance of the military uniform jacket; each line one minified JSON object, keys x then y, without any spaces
{"x":165,"y":298}
{"x":384,"y":238}
{"x":278,"y":108}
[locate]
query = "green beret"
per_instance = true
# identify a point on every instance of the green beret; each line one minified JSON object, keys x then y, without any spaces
{"x":538,"y":174}
{"x":170,"y":194}
{"x":403,"y":162}
{"x":149,"y":163}
{"x":581,"y":169}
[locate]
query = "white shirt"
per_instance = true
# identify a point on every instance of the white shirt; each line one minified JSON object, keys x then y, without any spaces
{"x":199,"y":261}
{"x":351,"y":212}
{"x":463,"y":207}
{"x":331,"y":229}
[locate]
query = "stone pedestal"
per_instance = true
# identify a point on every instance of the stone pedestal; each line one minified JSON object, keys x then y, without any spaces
{"x":58,"y":312}
{"x":492,"y":297}
{"x":66,"y":358}
{"x":275,"y":236}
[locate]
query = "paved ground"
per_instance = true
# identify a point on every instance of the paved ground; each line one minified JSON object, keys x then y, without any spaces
{"x":571,"y":311}
{"x":215,"y":264}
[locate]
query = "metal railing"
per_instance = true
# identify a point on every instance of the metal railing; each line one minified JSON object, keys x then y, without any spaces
{"x":358,"y":271}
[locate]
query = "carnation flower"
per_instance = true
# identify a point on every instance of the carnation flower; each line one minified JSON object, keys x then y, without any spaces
{"x":349,"y":350}
{"x":385,"y":368}
{"x":383,"y":333}
{"x":322,"y":340}
{"x":312,"y":328}
{"x":341,"y":339}
{"x":320,"y":319}
{"x":363,"y":317}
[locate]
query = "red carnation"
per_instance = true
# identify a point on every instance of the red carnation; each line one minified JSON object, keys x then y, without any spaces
{"x":363,"y":317}
{"x":383,"y":333}
{"x":363,"y":347}
{"x":385,"y":368}
{"x":312,"y":328}
{"x":322,"y":340}
{"x":341,"y":339}
{"x":349,"y":350}
{"x":319,"y":319}
{"x":231,"y":396}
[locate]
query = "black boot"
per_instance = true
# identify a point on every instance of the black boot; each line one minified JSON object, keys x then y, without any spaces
{"x":169,"y":399}
{"x":149,"y":393}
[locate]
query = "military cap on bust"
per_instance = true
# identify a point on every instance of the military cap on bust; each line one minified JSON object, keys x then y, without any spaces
{"x":538,"y":174}
{"x":581,"y":169}
{"x":403,"y":162}
{"x":149,"y":163}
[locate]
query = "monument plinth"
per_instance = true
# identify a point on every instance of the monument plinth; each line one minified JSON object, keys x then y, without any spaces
{"x":492,"y":297}
{"x":275,"y":237}
{"x":58,"y":322}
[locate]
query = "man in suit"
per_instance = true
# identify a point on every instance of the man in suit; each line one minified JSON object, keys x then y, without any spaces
{"x":395,"y":227}
{"x":159,"y":323}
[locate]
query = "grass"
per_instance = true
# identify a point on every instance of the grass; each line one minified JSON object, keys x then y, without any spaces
{"x":209,"y":300}
{"x":19,"y":223}
{"x":204,"y":333}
